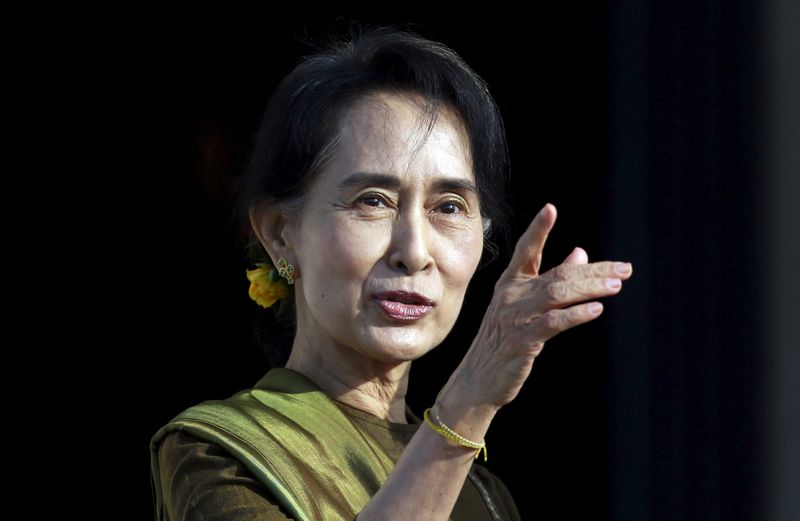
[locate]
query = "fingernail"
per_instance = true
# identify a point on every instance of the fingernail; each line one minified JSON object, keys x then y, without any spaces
{"x":613,"y":283}
{"x":623,"y":268}
{"x":595,"y":308}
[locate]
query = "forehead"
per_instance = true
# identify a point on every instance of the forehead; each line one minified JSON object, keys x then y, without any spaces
{"x":388,"y":133}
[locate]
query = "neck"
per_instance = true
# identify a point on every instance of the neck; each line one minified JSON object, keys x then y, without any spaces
{"x":347,"y":376}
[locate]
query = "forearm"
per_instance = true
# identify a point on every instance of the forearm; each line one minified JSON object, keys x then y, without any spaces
{"x":427,"y":479}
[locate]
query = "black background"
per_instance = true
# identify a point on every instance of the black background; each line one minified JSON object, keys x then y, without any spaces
{"x":636,"y":119}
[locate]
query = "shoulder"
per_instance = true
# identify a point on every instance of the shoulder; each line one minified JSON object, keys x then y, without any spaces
{"x":179,"y":445}
{"x":185,"y":454}
{"x":201,"y":480}
{"x":496,"y":489}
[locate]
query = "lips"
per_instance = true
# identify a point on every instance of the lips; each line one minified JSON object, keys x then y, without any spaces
{"x":405,"y":297}
{"x":404,"y":305}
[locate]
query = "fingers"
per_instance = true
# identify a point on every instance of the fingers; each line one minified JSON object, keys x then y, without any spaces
{"x":569,"y":284}
{"x":555,"y":321}
{"x":557,"y":294}
{"x":572,"y":271}
{"x":549,"y":296}
{"x":527,"y":257}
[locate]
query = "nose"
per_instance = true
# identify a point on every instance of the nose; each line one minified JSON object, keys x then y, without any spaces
{"x":410,"y":251}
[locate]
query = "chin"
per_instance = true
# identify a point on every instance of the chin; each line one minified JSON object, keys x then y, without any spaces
{"x":400,"y":346}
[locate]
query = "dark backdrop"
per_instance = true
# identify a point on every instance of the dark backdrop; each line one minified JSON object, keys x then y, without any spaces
{"x":636,"y":119}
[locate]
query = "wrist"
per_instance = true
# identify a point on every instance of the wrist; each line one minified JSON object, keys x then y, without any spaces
{"x":464,"y":415}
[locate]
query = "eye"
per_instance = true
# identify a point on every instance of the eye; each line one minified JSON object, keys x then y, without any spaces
{"x":372,"y":199}
{"x":452,"y":207}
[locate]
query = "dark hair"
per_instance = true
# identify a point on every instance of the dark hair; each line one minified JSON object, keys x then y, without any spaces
{"x":297,"y":134}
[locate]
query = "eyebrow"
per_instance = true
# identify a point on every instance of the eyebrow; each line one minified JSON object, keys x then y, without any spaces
{"x":441,"y":184}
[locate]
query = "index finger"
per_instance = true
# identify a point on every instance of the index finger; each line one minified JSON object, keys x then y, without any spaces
{"x":527,"y":257}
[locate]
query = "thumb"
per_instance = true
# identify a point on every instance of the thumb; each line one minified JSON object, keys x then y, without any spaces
{"x":578,"y":256}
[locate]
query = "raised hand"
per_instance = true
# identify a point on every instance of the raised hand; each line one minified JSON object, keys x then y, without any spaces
{"x":529,"y":308}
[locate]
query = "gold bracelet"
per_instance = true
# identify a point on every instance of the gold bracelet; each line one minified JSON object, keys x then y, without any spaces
{"x":450,"y":434}
{"x":464,"y":441}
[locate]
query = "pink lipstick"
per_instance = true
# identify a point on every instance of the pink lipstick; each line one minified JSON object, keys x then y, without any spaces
{"x":404,"y":305}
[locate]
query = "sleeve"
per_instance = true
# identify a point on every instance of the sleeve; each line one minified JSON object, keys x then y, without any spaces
{"x":499,"y":491}
{"x":202,"y":481}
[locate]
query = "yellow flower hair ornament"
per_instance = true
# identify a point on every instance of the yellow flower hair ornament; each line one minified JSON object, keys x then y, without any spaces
{"x":266,"y":284}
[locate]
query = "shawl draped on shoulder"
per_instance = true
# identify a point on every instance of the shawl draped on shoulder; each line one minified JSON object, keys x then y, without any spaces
{"x":294,"y":439}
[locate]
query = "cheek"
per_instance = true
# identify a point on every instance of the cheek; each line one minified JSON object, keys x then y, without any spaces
{"x":459,"y":259}
{"x":342,"y":254}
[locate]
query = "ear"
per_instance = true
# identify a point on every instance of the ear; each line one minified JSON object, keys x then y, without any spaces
{"x":270,"y":225}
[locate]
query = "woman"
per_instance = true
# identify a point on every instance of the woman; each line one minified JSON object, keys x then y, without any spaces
{"x":376,"y":180}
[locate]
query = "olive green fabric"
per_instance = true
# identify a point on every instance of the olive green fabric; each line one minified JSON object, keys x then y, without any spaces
{"x":295,"y":440}
{"x":333,"y":457}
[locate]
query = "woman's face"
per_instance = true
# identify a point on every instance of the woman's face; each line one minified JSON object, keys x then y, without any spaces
{"x":379,"y":221}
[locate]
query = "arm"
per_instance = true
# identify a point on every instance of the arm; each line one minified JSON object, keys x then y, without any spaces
{"x":527,"y":309}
